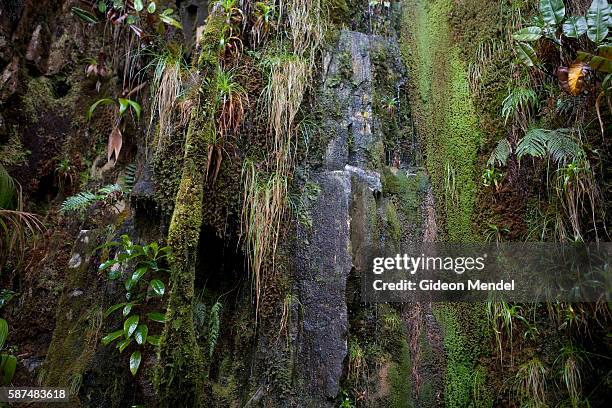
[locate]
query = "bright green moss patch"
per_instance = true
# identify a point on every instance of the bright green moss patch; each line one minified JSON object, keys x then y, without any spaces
{"x":443,"y":111}
{"x":400,"y":377}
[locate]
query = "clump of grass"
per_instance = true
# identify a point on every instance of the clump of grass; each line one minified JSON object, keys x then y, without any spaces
{"x":166,"y":88}
{"x":530,"y":384}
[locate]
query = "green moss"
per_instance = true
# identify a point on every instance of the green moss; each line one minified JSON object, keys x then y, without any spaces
{"x":13,"y":152}
{"x":400,"y":376}
{"x":443,"y":110}
{"x":393,"y":222}
{"x":407,"y":192}
{"x":465,"y":334}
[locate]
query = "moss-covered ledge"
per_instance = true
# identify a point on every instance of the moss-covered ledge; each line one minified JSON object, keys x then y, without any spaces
{"x":180,"y":373}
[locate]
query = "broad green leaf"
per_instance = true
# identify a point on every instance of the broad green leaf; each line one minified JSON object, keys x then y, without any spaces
{"x":130,"y":325}
{"x":152,"y":7}
{"x":605,"y":51}
{"x":153,"y":340}
{"x":574,"y":27}
{"x":109,"y":338}
{"x":102,"y":6}
{"x":118,"y":4}
{"x":135,"y":362}
{"x":111,"y":309}
{"x":129,"y":284}
{"x":84,"y":15}
{"x":123,"y":105}
{"x":92,"y":108}
{"x":596,"y":62}
{"x":155,"y":247}
{"x":138,"y":273}
{"x":552,"y":11}
{"x":3,"y":332}
{"x":9,"y":365}
{"x":123,"y":344}
{"x":141,"y":333}
{"x":138,"y":6}
{"x":167,"y":12}
{"x":107,"y":264}
{"x":127,"y":309}
{"x":135,"y":106}
{"x":170,"y":21}
{"x":528,"y":34}
{"x":526,"y":54}
{"x":597,"y":19}
{"x":157,"y":317}
{"x":158,"y":287}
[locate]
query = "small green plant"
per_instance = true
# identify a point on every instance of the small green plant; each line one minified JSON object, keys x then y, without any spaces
{"x":265,"y":14}
{"x":390,"y":104}
{"x":492,"y":177}
{"x":530,"y":384}
{"x":115,"y":138}
{"x":496,"y":233}
{"x":8,"y":362}
{"x":139,"y":266}
{"x":214,"y":320}
{"x":345,"y":401}
{"x":65,"y":173}
{"x":109,"y":195}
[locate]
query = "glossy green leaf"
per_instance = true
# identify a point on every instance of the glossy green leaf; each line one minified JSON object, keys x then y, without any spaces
{"x":574,"y":27}
{"x":92,"y":108}
{"x":111,"y":309}
{"x":84,"y":15}
{"x":130,"y":325}
{"x":170,"y":21}
{"x":153,"y":340}
{"x":158,"y":287}
{"x":526,"y":54}
{"x":127,"y":309}
{"x":141,"y":333}
{"x":598,"y":20}
{"x":129,"y":284}
{"x":123,"y":344}
{"x":8,"y":365}
{"x":107,"y":264}
{"x":136,"y":106}
{"x":139,"y":273}
{"x":135,"y":362}
{"x":102,"y":6}
{"x":528,"y":34}
{"x":152,"y":7}
{"x":552,"y":11}
{"x":138,"y":5}
{"x":157,"y":317}
{"x":596,"y":62}
{"x":109,"y":338}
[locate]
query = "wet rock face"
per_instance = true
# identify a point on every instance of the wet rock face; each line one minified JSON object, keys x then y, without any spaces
{"x":343,"y":231}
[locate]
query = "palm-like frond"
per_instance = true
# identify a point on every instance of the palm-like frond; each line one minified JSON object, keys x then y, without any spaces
{"x":563,"y":148}
{"x":79,"y":202}
{"x":520,"y":102}
{"x":533,"y":144}
{"x":17,"y":227}
{"x":500,"y":154}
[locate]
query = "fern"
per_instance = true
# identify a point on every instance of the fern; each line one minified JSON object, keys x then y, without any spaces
{"x":501,"y":153}
{"x":519,"y":100}
{"x":558,"y":144}
{"x":533,"y":144}
{"x":130,"y":177}
{"x":109,"y":189}
{"x":79,"y":202}
{"x":213,"y":328}
{"x":563,"y":148}
{"x":85,"y":199}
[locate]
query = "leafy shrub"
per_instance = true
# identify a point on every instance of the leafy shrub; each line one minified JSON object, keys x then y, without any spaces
{"x":135,"y":264}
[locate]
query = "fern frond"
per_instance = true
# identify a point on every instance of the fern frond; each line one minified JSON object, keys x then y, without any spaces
{"x":213,"y":327}
{"x":79,"y":202}
{"x":109,"y":189}
{"x":519,"y":100}
{"x":500,"y":154}
{"x":534,"y":143}
{"x":130,"y":177}
{"x":563,"y":148}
